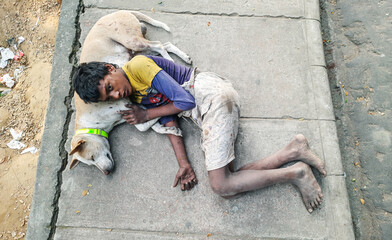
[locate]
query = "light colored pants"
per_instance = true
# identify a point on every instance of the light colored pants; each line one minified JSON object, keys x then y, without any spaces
{"x":217,"y":114}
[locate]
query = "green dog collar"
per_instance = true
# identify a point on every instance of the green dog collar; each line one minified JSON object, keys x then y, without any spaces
{"x":92,"y":131}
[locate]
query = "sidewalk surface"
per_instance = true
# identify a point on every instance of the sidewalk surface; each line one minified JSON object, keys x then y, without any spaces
{"x":272,"y":52}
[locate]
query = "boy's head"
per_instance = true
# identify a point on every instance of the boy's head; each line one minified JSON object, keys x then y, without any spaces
{"x":99,"y":81}
{"x":86,"y":80}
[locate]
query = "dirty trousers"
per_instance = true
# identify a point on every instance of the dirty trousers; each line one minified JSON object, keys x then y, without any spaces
{"x":217,"y":114}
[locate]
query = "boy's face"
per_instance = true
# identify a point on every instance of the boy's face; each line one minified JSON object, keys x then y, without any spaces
{"x":114,"y":85}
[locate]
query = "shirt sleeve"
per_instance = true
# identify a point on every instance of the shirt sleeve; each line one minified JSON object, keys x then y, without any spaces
{"x":166,"y":85}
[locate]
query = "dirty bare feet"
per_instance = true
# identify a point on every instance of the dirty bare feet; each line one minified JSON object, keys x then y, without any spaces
{"x":301,"y":150}
{"x":307,"y":185}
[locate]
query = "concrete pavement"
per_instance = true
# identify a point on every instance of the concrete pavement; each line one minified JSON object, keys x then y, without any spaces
{"x":272,"y":52}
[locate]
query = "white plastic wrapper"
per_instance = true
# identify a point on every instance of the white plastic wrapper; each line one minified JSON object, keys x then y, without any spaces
{"x":15,"y":144}
{"x":20,"y":40}
{"x":6,"y":54}
{"x":30,"y":150}
{"x":17,"y":72}
{"x":16,"y":135}
{"x":7,"y":80}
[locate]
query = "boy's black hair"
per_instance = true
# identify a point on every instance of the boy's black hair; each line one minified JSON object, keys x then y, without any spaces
{"x":86,"y":80}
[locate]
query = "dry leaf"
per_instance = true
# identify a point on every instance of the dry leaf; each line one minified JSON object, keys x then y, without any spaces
{"x":77,"y":211}
{"x":85,"y":192}
{"x":209,"y":235}
{"x":209,"y":23}
{"x":362,"y":201}
{"x":90,"y":185}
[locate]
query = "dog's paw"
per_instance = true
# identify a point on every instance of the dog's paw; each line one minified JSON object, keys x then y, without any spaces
{"x":167,"y":28}
{"x":187,"y":59}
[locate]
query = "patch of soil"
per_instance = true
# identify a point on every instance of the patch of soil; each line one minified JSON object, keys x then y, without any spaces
{"x":24,"y":108}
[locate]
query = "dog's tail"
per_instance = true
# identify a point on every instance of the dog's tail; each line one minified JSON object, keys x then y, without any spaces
{"x":149,"y":20}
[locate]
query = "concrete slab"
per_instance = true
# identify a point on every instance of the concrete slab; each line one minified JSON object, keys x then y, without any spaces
{"x":278,"y":8}
{"x":282,"y":83}
{"x":138,"y":197}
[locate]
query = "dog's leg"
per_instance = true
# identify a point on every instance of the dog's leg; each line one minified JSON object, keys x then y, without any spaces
{"x":140,"y":16}
{"x":169,"y":47}
{"x":157,"y":46}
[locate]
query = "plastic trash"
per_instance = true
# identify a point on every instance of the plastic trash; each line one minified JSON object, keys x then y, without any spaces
{"x":18,"y":71}
{"x":4,"y":92}
{"x":7,"y":81}
{"x":16,"y":135}
{"x":18,"y":56}
{"x":20,"y":40}
{"x":6,"y":54}
{"x":15,"y":144}
{"x":30,"y":150}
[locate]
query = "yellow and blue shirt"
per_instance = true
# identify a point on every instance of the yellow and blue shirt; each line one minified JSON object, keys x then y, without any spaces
{"x":157,"y":81}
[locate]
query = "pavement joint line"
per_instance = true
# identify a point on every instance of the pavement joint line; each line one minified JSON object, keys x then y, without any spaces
{"x":335,"y":175}
{"x":287,"y":118}
{"x":194,"y":234}
{"x":323,"y":66}
{"x":209,"y":14}
{"x":63,"y":154}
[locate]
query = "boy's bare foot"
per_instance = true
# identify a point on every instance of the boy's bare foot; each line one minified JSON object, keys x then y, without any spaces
{"x":302,"y":152}
{"x":308,"y":186}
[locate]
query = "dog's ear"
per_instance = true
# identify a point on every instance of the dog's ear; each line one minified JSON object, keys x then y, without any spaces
{"x":74,"y":163}
{"x":78,"y":147}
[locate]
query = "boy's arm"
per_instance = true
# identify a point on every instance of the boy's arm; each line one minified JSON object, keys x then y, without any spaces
{"x":185,"y":174}
{"x":135,"y":114}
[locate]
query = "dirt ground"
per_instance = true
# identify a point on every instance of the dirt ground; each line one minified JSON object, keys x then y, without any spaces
{"x":24,"y":108}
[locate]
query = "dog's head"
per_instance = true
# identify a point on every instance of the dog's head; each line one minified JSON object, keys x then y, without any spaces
{"x":92,"y":150}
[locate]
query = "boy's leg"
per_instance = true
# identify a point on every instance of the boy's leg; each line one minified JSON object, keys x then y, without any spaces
{"x":227,"y":184}
{"x":297,"y":149}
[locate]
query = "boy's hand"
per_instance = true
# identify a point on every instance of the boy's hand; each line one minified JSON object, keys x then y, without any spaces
{"x":187,"y":178}
{"x":134,"y":115}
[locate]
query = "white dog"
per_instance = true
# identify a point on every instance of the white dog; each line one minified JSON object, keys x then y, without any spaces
{"x":110,"y":40}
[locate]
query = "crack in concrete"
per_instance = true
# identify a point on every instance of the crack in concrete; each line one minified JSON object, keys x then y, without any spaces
{"x":234,"y":14}
{"x":63,"y":154}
